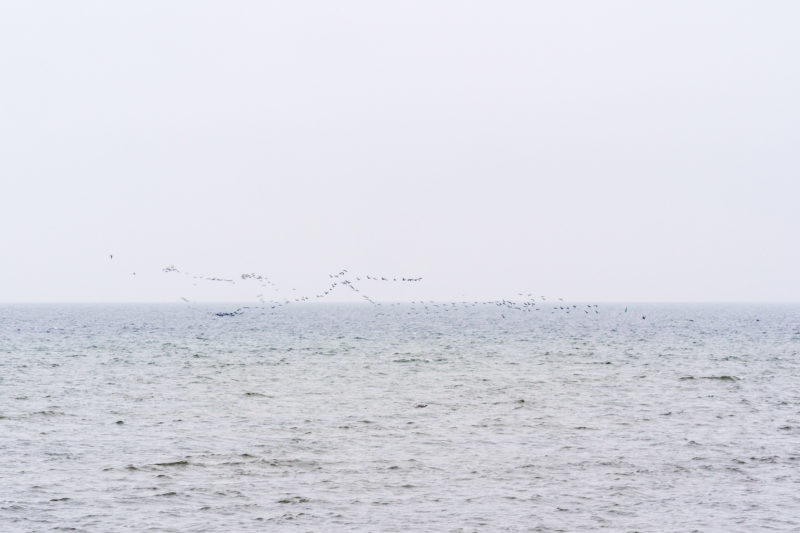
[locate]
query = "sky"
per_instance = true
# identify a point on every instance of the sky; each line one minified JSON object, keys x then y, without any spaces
{"x":596,"y":151}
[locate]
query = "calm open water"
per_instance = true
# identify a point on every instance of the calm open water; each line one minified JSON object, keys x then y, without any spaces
{"x":311,"y":418}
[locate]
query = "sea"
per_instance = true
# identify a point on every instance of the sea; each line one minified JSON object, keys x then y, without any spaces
{"x":400,"y":417}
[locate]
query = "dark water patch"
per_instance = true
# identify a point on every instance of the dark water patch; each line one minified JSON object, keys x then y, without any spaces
{"x":173,"y":463}
{"x":59,"y":454}
{"x":717,"y":378}
{"x":298,"y":464}
{"x":766,"y":459}
{"x":294,"y":500}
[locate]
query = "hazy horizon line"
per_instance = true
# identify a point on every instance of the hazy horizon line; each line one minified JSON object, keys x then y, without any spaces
{"x":409,"y":302}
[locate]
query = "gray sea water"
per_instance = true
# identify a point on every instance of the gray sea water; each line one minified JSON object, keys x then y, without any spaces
{"x":356,"y":418}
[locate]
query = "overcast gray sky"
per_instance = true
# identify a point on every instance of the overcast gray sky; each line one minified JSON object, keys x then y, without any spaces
{"x":591,"y":150}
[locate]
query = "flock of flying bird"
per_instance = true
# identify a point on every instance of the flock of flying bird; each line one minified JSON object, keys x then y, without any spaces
{"x":345,"y":279}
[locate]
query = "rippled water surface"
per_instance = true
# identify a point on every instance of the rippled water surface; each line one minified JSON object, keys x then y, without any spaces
{"x":348,"y":417}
